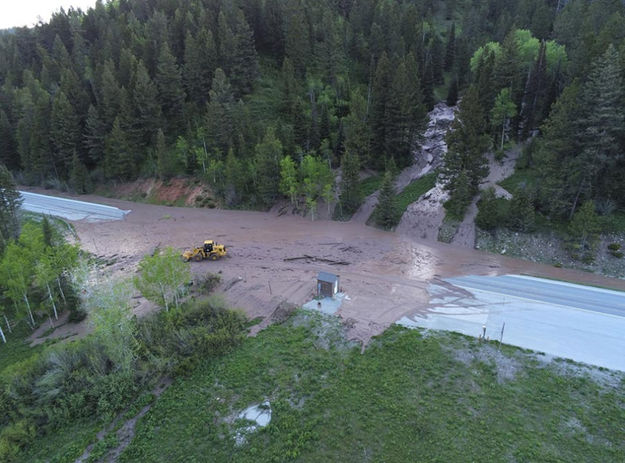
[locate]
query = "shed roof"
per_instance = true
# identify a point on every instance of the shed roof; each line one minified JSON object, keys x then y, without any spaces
{"x":327,"y":277}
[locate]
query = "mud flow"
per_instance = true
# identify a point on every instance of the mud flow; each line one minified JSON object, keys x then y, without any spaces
{"x":275,"y":259}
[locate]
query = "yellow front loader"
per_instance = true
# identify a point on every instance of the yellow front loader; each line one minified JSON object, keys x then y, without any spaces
{"x":210,"y":250}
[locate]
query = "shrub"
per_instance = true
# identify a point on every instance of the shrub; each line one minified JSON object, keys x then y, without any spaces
{"x":14,"y":437}
{"x":208,"y":282}
{"x":617,"y":254}
{"x":614,"y":246}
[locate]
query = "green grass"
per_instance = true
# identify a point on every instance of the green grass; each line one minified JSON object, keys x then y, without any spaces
{"x":17,"y":348}
{"x":406,"y":399}
{"x":370,"y":185}
{"x":614,"y":223}
{"x":527,"y":177}
{"x":63,"y":445}
{"x":413,"y":191}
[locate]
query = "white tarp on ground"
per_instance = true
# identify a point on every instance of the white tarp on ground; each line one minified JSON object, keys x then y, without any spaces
{"x":571,"y":321}
{"x":69,"y":208}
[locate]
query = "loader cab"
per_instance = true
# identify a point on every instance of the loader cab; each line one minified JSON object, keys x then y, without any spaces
{"x":208,"y":246}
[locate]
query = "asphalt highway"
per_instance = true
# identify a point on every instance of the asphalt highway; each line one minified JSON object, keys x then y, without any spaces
{"x":581,"y":323}
{"x":69,"y":208}
{"x":548,"y":291}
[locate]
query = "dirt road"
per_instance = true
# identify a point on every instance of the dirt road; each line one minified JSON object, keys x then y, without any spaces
{"x":384,"y":274}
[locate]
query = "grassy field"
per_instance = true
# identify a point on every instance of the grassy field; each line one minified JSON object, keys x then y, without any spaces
{"x":16,"y":349}
{"x":520,"y":177}
{"x":370,"y":185}
{"x":413,"y":191}
{"x":410,"y":397}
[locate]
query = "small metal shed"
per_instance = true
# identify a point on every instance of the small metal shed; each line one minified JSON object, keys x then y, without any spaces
{"x":327,"y":284}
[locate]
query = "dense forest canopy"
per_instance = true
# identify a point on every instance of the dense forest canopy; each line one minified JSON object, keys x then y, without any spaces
{"x":228,"y":89}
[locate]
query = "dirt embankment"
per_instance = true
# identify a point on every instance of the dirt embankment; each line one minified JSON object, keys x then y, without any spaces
{"x":175,"y":191}
{"x":276,"y":258}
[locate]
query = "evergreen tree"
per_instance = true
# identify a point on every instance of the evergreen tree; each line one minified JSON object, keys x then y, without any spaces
{"x":244,"y":69}
{"x":385,"y":214}
{"x":357,"y":133}
{"x":219,"y":113}
{"x":484,"y":80}
{"x":118,"y":158}
{"x":291,"y":105}
{"x":297,"y":44}
{"x":379,"y":121}
{"x":603,"y":122}
{"x":268,"y":157}
{"x":8,"y":152}
{"x":414,"y":100}
{"x":41,"y":164}
{"x":236,"y":177}
{"x":460,"y":197}
{"x":584,"y":230}
{"x":93,"y":139}
{"x":146,"y":119}
{"x":452,"y":93}
{"x":79,"y":180}
{"x":398,"y":118}
{"x":427,"y":85}
{"x":437,"y":58}
{"x":109,"y":95}
{"x":450,"y":48}
{"x":351,"y":196}
{"x":488,"y":214}
{"x":556,"y":155}
{"x":200,"y":57}
{"x":521,"y":216}
{"x":507,"y":71}
{"x":64,"y":133}
{"x":170,"y":91}
{"x":167,"y":164}
{"x":467,"y":145}
{"x":73,"y":87}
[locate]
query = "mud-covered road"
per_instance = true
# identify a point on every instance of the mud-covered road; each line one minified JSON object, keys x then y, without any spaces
{"x":273,"y":259}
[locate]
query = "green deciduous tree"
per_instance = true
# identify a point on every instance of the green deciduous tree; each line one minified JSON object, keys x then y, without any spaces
{"x":502,"y":112}
{"x":114,"y":327}
{"x":316,"y":176}
{"x":10,"y":201}
{"x":163,"y":278}
{"x":16,"y":269}
{"x":289,"y":184}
